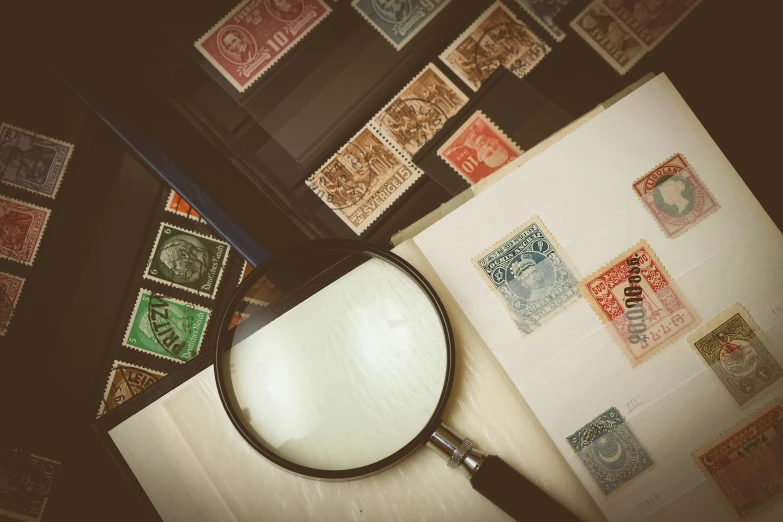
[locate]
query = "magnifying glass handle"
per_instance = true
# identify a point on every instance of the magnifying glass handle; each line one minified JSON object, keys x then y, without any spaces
{"x":497,"y":481}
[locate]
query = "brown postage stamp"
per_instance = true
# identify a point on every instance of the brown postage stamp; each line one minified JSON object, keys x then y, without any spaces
{"x":609,"y":37}
{"x":21,"y":229}
{"x":497,"y":38}
{"x":125,"y":381}
{"x":675,"y":195}
{"x":10,"y":290}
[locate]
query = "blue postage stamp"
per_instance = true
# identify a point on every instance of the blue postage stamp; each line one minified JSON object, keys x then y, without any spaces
{"x":31,"y":161}
{"x":544,"y":12}
{"x":610,"y":451}
{"x":532,"y":274}
{"x":399,"y":20}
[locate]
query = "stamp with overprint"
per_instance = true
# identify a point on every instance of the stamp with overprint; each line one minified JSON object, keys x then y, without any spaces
{"x":31,"y":161}
{"x":478,"y":148}
{"x":675,"y":195}
{"x":125,"y":381}
{"x":10,"y":290}
{"x":497,"y":38}
{"x":263,"y":292}
{"x":187,"y":260}
{"x":636,"y":297}
{"x":610,"y":451}
{"x":166,"y":327}
{"x":255,"y":34}
{"x":176,"y":205}
{"x":544,"y":12}
{"x":363,"y":179}
{"x":746,"y":464}
{"x":420,"y":110}
{"x":609,"y":37}
{"x":399,"y":21}
{"x":26,"y":481}
{"x":532,"y":274}
{"x":736,"y":350}
{"x":650,"y":21}
{"x":21,"y":229}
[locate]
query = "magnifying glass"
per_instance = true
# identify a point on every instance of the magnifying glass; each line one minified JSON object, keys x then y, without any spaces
{"x":335,"y":361}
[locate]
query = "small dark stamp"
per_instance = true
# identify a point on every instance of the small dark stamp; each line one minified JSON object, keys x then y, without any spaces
{"x":10,"y":290}
{"x":399,"y":20}
{"x":21,"y":229}
{"x":125,"y":381}
{"x":25,"y":484}
{"x":31,"y":161}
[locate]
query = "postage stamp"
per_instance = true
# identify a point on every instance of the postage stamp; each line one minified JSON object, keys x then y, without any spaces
{"x":166,"y":327}
{"x":176,"y":205}
{"x":745,"y":464}
{"x":31,"y":161}
{"x":636,"y":296}
{"x":650,"y":21}
{"x":363,"y":179}
{"x":125,"y":381}
{"x":610,"y":451}
{"x":478,"y":148}
{"x":736,"y":350}
{"x":609,"y":37}
{"x":399,"y":20}
{"x":187,"y":260}
{"x":21,"y":229}
{"x":544,"y":12}
{"x":420,"y":110}
{"x":263,"y":292}
{"x":497,"y":38}
{"x":10,"y":290}
{"x":255,"y":34}
{"x":532,"y":274}
{"x":26,"y":481}
{"x":675,"y":195}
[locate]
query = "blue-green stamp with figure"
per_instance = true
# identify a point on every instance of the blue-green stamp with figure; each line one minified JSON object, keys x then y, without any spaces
{"x":399,"y":20}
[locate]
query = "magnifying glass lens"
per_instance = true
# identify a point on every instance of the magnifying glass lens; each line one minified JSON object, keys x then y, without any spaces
{"x":334,"y":361}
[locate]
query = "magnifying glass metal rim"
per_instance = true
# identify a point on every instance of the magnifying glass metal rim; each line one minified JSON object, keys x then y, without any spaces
{"x":324,"y":245}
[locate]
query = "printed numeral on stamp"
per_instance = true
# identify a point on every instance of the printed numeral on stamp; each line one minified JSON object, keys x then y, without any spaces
{"x":10,"y":290}
{"x":26,"y":481}
{"x":126,"y":381}
{"x":31,"y":161}
{"x":398,"y":22}
{"x":21,"y":229}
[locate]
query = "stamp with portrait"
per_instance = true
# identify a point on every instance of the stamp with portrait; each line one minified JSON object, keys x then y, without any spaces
{"x":610,"y":451}
{"x":176,"y":205}
{"x":21,"y":229}
{"x":635,"y":296}
{"x":532,"y":274}
{"x":263,"y":292}
{"x":736,"y":350}
{"x":420,"y":110}
{"x":187,"y":260}
{"x":31,"y":161}
{"x":497,"y":38}
{"x":650,"y":21}
{"x":675,"y":195}
{"x":609,"y":37}
{"x":478,"y":148}
{"x":399,"y":20}
{"x":745,"y":464}
{"x":10,"y":290}
{"x":166,"y":327}
{"x":363,"y":179}
{"x":255,"y":34}
{"x":125,"y":381}
{"x":544,"y":12}
{"x":26,"y":481}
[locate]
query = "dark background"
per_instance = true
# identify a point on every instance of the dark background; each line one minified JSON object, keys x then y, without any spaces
{"x":138,"y":58}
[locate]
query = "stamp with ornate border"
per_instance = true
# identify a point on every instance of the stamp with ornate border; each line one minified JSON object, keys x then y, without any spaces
{"x":419,"y":110}
{"x":650,"y":25}
{"x":166,"y":327}
{"x":21,"y":229}
{"x":736,"y":349}
{"x":176,"y":205}
{"x":263,"y":292}
{"x":478,"y":148}
{"x":255,"y":34}
{"x":743,"y":464}
{"x":530,"y":271}
{"x":32,"y":161}
{"x":27,"y":481}
{"x":125,"y":381}
{"x":187,"y":260}
{"x":636,"y":297}
{"x":544,"y":12}
{"x":10,"y":291}
{"x":675,"y":195}
{"x":497,"y":38}
{"x":608,"y":36}
{"x":363,"y":179}
{"x":399,"y":22}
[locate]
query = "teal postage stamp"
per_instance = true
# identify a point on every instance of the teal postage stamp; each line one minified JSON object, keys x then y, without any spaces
{"x":166,"y":327}
{"x":399,"y":20}
{"x":610,"y":451}
{"x":187,"y":260}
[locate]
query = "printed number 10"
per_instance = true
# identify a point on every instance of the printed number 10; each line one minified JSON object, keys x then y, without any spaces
{"x":280,"y":40}
{"x":469,"y":165}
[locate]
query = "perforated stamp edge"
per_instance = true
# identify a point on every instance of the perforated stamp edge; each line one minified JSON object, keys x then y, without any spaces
{"x":114,"y":367}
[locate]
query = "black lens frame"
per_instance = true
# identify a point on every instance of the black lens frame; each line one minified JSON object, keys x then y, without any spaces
{"x":326,"y":245}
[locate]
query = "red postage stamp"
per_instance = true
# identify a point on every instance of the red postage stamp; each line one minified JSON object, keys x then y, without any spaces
{"x":176,"y":205}
{"x":746,"y":465}
{"x":10,"y":290}
{"x":478,"y":148}
{"x":255,"y":34}
{"x":636,"y":296}
{"x":21,"y":228}
{"x":675,"y":195}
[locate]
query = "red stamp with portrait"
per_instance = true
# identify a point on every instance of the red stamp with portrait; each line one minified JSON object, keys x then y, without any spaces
{"x":10,"y":290}
{"x":21,"y":228}
{"x":253,"y":36}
